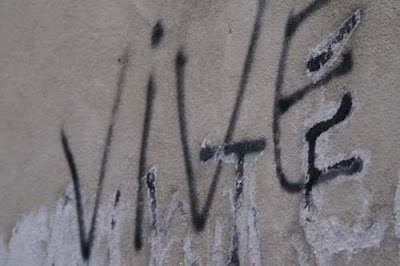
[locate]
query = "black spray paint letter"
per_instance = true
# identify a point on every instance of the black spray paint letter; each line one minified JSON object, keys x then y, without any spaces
{"x":142,"y":162}
{"x":199,"y":216}
{"x":156,"y":38}
{"x":239,"y":149}
{"x":86,"y":241}
{"x":344,"y":167}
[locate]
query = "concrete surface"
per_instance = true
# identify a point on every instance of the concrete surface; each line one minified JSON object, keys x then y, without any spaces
{"x":63,"y":64}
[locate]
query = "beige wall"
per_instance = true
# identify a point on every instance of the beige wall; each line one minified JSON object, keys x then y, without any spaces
{"x":63,"y":64}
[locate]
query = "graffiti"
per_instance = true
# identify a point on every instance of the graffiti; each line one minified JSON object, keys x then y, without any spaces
{"x":160,"y":238}
{"x":177,"y":171}
{"x":142,"y":162}
{"x":317,"y":61}
{"x":49,"y":237}
{"x":86,"y":240}
{"x":156,"y":38}
{"x":325,"y":54}
{"x":330,"y":235}
{"x":199,"y":216}
{"x":158,"y":34}
{"x":344,"y":167}
{"x":321,"y":68}
{"x":239,"y":149}
{"x":116,"y":201}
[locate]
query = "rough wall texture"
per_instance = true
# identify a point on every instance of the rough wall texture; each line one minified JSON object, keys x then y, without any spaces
{"x":186,"y":132}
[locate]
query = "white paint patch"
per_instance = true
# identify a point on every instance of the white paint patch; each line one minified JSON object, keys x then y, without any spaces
{"x":46,"y":238}
{"x":161,"y":240}
{"x":190,"y":260}
{"x":329,"y":235}
{"x":217,"y":255}
{"x":302,"y":255}
{"x":51,"y":237}
{"x":397,"y":208}
{"x":254,"y":256}
{"x":3,"y":251}
{"x":29,"y":240}
{"x":397,"y":212}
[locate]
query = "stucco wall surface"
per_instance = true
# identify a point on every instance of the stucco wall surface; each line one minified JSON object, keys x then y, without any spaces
{"x":187,"y":132}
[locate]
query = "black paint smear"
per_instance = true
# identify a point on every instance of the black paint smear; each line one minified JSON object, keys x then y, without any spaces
{"x":66,"y":201}
{"x":283,"y":103}
{"x":112,"y":224}
{"x":348,"y":167}
{"x":86,"y":241}
{"x":245,"y":147}
{"x":345,"y":167}
{"x":315,"y":63}
{"x":207,"y":152}
{"x":151,"y":186}
{"x":246,"y":71}
{"x":116,"y":201}
{"x":142,"y":161}
{"x":295,"y":20}
{"x":239,"y":177}
{"x":199,"y":216}
{"x":234,"y":259}
{"x":158,"y":34}
{"x":117,"y":196}
{"x":78,"y":201}
{"x":238,"y":148}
